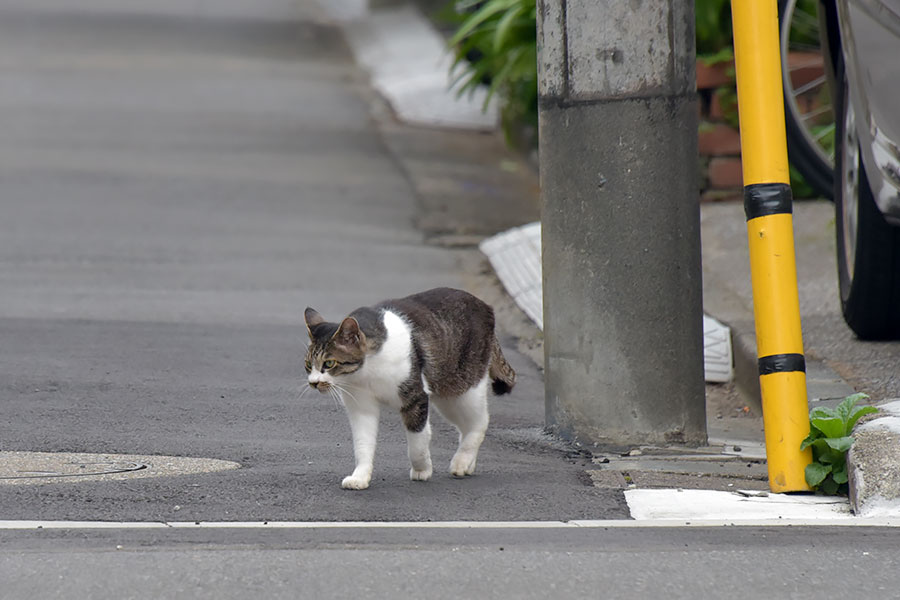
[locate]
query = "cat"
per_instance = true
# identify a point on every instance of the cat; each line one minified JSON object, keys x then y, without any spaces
{"x":435,"y":348}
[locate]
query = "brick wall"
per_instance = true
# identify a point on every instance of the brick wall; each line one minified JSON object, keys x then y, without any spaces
{"x":719,"y":142}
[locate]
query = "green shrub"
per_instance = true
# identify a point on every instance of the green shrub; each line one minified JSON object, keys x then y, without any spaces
{"x":712,"y":22}
{"x":830,"y":440}
{"x":496,"y":44}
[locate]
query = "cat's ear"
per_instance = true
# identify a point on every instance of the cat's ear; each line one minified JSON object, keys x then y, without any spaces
{"x":313,"y":318}
{"x":349,"y":335}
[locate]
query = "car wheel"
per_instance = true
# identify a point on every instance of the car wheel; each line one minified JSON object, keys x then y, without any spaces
{"x":868,"y":247}
{"x":808,"y":110}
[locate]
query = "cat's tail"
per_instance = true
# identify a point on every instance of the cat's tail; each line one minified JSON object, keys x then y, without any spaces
{"x":503,"y":377}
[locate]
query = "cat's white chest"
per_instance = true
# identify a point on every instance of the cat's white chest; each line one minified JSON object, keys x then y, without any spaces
{"x":384,"y":371}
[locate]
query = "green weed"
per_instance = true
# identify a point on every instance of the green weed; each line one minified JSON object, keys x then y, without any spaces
{"x":830,"y":439}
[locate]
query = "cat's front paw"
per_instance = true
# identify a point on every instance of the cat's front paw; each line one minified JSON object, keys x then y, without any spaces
{"x":423,"y":475}
{"x":353,"y":482}
{"x":462,"y":465}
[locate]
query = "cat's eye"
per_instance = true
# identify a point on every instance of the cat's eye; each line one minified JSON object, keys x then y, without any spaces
{"x":328,"y":364}
{"x":308,"y":366}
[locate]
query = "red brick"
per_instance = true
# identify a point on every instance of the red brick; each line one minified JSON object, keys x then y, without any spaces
{"x":719,"y":140}
{"x":714,"y":76}
{"x":805,"y":67}
{"x":725,"y":173}
{"x":716,"y":110}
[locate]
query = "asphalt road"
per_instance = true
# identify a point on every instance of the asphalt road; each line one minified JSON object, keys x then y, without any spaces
{"x":724,"y":562}
{"x":177,"y":182}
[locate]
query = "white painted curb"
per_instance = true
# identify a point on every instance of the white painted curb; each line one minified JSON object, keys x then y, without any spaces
{"x":508,"y":525}
{"x":705,"y":505}
{"x":409,"y":65}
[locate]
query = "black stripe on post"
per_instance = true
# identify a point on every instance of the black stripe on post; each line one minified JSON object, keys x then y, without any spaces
{"x":781,"y":363}
{"x":764,"y":199}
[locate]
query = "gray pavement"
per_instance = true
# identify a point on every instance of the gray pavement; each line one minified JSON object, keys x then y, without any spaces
{"x":737,"y":562}
{"x":178,"y":181}
{"x":838,"y":362}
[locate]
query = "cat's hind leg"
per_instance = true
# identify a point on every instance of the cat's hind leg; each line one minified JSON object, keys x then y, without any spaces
{"x":469,"y":413}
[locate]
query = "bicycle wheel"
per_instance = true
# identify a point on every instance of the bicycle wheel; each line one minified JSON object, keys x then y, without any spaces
{"x":808,"y":109}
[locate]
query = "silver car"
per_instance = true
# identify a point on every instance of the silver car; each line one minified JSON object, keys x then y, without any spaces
{"x":860,"y":50}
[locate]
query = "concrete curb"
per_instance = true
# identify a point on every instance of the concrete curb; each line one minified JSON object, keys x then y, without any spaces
{"x":874,"y":464}
{"x":409,"y":65}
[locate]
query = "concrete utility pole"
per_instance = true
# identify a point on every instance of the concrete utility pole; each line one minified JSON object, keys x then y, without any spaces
{"x":621,"y":221}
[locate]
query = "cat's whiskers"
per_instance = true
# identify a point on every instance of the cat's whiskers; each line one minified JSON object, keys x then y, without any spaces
{"x":335,"y":395}
{"x":330,"y":389}
{"x":342,"y":389}
{"x":302,"y":392}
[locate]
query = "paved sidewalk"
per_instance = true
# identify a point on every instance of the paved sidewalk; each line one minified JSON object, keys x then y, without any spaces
{"x":178,"y":181}
{"x":837,"y":365}
{"x":179,"y":197}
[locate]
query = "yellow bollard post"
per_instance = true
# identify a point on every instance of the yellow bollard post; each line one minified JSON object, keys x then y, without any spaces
{"x":767,"y":204}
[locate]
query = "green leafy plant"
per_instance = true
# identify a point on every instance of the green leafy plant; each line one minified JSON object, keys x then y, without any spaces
{"x":496,"y":45}
{"x":830,"y":439}
{"x":712,"y":19}
{"x":800,"y":189}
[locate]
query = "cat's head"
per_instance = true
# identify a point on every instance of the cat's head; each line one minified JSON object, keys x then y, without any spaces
{"x":335,"y":350}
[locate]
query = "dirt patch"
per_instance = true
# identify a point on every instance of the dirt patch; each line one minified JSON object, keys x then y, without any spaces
{"x":645,"y":479}
{"x":724,"y":401}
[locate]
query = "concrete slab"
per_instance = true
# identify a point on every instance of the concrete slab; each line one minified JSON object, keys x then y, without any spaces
{"x":515,"y":255}
{"x":709,"y":464}
{"x":684,"y":481}
{"x":687,"y":505}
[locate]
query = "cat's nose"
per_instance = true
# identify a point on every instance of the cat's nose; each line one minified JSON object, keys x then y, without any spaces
{"x":321,"y":386}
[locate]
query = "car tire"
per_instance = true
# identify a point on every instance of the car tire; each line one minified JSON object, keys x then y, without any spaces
{"x":868,"y":247}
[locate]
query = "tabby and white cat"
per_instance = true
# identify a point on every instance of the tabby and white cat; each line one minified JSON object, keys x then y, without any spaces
{"x":435,"y":348}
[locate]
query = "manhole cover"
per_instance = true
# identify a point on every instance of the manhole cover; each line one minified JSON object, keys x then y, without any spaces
{"x":55,"y":467}
{"x":74,"y":469}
